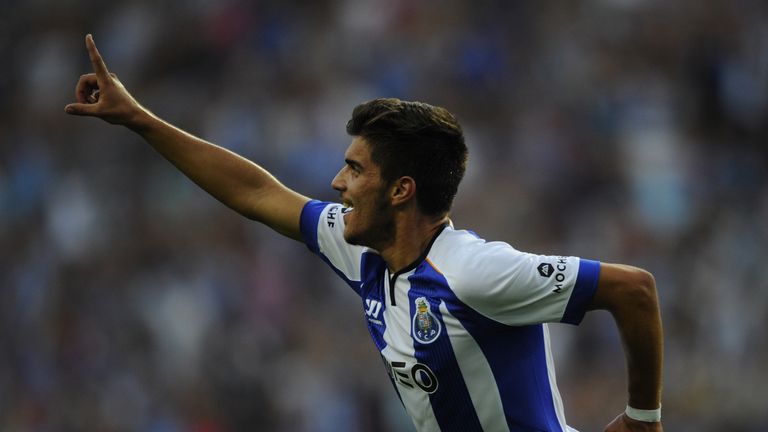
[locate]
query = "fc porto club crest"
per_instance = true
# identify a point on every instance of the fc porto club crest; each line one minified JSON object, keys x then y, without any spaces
{"x":426,"y":327}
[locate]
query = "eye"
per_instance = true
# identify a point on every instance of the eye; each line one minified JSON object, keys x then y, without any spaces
{"x":354,"y":168}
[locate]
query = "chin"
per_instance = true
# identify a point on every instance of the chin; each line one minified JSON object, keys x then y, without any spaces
{"x":349,"y":236}
{"x":357,"y":238}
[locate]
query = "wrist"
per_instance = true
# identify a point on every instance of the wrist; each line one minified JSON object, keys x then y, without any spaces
{"x":141,"y":121}
{"x":648,"y":416}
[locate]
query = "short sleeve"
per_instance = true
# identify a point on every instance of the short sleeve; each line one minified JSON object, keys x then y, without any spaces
{"x":519,"y":288}
{"x":322,"y":228}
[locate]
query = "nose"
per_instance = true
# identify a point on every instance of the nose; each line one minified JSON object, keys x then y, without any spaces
{"x":338,"y":182}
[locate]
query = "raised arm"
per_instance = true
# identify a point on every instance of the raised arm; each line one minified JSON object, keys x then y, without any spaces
{"x":629,"y":294}
{"x":235,"y":181}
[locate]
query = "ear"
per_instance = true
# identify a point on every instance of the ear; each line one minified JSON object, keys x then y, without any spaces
{"x":403,"y":190}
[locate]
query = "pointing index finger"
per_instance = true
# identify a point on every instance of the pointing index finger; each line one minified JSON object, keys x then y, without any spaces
{"x":96,"y":61}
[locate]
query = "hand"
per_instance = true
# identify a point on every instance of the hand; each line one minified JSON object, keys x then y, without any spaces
{"x":622,"y":423}
{"x":101,"y":94}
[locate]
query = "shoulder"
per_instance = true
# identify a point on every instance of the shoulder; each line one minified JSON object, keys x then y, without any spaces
{"x":510,"y":286}
{"x":468,"y":260}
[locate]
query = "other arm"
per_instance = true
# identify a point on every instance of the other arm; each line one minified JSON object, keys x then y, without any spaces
{"x":235,"y":181}
{"x":629,"y":294}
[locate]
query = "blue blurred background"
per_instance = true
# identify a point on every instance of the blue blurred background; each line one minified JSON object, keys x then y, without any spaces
{"x":630,"y":131}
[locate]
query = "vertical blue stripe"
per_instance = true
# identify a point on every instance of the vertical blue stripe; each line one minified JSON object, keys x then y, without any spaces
{"x":308,"y":223}
{"x":517,"y":358}
{"x":310,"y":216}
{"x":451,"y":402}
{"x":583,"y":291}
{"x":372,"y":269}
{"x":372,"y":288}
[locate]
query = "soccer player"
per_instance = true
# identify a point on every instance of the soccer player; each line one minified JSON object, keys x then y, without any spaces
{"x":459,"y":322}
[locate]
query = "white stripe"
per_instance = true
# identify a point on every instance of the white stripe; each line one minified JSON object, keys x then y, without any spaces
{"x":477,"y":374}
{"x":400,"y":348}
{"x":556,"y":400}
{"x":343,"y":256}
{"x":398,"y":333}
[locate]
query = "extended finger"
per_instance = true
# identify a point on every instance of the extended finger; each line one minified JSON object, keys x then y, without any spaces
{"x":96,"y":61}
{"x":85,"y":86}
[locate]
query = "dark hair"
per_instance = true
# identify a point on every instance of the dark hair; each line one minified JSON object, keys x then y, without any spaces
{"x":418,"y":140}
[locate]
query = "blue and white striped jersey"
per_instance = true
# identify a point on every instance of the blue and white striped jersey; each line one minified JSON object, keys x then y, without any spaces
{"x":461,"y":330}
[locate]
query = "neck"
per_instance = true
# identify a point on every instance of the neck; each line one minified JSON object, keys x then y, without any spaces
{"x":412,"y":236}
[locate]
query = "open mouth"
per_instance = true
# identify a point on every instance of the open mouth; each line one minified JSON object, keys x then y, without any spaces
{"x":347,"y":207}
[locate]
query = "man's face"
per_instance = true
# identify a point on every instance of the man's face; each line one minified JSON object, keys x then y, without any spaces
{"x":368,"y":219}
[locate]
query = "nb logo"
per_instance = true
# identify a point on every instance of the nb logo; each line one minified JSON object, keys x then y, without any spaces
{"x":372,"y":308}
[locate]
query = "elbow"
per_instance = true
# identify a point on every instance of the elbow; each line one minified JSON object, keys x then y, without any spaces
{"x":639,"y":290}
{"x":644,"y":282}
{"x":624,"y":289}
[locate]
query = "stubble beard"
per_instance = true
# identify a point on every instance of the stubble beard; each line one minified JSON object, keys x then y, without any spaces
{"x":379,"y":228}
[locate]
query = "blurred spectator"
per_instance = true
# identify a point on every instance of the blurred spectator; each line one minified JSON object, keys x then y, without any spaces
{"x":622,"y":130}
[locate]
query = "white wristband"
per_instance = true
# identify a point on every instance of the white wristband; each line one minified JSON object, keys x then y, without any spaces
{"x":650,"y":416}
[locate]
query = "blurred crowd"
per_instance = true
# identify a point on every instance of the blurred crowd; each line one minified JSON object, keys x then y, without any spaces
{"x":629,"y":131}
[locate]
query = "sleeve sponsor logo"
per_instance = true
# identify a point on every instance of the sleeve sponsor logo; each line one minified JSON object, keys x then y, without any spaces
{"x":558,"y":269}
{"x":331,"y":217}
{"x":545,"y":269}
